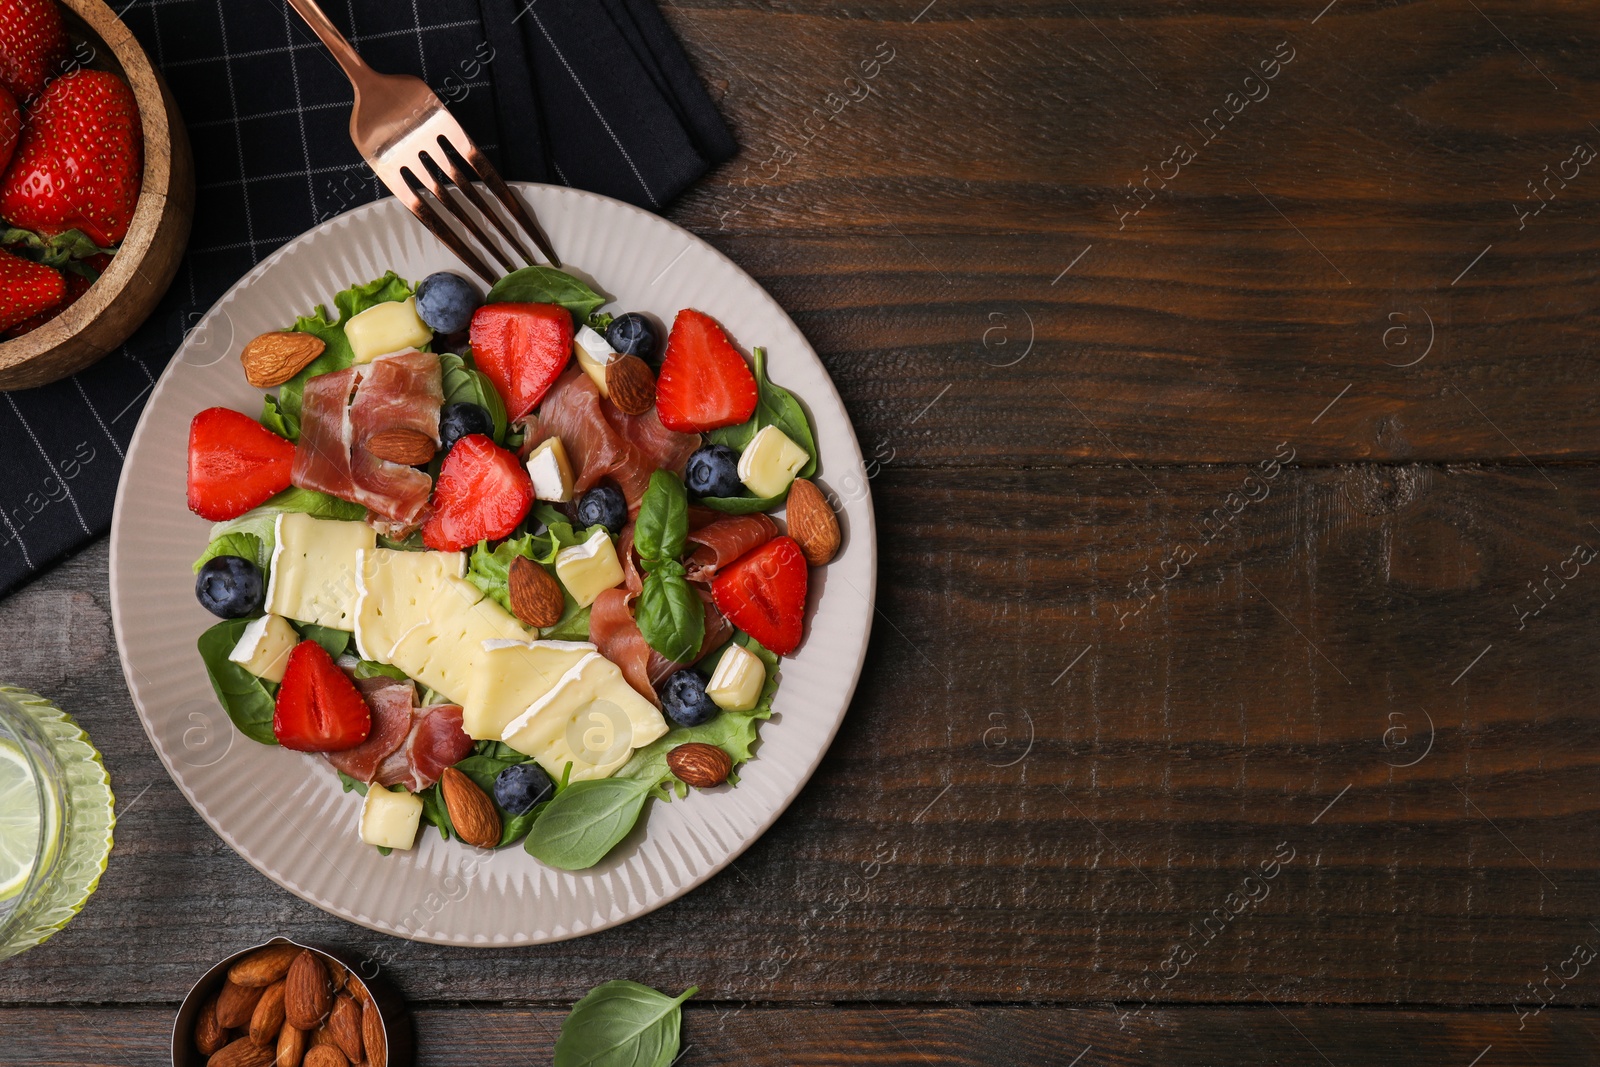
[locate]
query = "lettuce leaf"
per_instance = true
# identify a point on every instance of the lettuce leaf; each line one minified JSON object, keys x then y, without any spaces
{"x":489,"y":569}
{"x":228,"y":538}
{"x":338,"y":354}
{"x":245,"y":545}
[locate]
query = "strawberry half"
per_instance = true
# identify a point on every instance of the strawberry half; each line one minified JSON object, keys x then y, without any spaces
{"x":704,"y":382}
{"x":482,"y":493}
{"x":33,"y":42}
{"x":764,"y":594}
{"x":27,"y":289}
{"x":235,"y":463}
{"x":522,"y":348}
{"x":319,"y":709}
{"x":80,"y":162}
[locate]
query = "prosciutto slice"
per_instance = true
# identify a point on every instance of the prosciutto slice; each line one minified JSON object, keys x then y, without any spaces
{"x":604,"y":443}
{"x":436,"y":741}
{"x":616,"y":634}
{"x":343,"y":410}
{"x":391,"y":702}
{"x":725,"y":540}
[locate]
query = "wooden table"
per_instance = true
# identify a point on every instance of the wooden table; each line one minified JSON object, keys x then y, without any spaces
{"x":1228,"y":379}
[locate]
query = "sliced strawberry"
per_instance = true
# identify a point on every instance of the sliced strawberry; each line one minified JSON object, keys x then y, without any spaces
{"x":764,"y":594}
{"x":482,"y":492}
{"x":522,"y":348}
{"x":319,"y":709}
{"x":704,"y":382}
{"x":235,"y":463}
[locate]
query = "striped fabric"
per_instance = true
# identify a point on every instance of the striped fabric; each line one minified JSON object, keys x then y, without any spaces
{"x":592,"y":93}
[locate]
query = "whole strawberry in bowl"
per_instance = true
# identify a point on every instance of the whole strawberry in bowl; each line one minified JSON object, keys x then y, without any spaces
{"x":96,"y":185}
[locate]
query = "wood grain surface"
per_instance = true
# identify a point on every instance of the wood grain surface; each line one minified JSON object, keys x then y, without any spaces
{"x":1233,"y":667}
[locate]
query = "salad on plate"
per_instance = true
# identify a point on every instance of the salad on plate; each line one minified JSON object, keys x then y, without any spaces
{"x":505,"y":562}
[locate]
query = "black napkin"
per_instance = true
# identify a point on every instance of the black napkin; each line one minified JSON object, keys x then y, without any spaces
{"x":592,"y":93}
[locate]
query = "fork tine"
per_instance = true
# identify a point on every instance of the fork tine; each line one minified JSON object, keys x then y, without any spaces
{"x":423,"y":210}
{"x":463,"y":177}
{"x":439,"y":186}
{"x":479,"y":164}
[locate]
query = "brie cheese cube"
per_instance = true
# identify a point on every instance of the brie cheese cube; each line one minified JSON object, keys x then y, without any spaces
{"x":589,"y":569}
{"x":551,"y":471}
{"x":594,"y":355}
{"x":510,"y":677}
{"x":264,"y":647}
{"x":314,"y":569}
{"x":592,"y":719}
{"x":444,"y":648}
{"x":736,"y":683}
{"x":388,"y":327}
{"x":390,"y":820}
{"x":770,"y":461}
{"x":393,"y":591}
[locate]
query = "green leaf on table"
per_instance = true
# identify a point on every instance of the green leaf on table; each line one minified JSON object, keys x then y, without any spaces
{"x":546,"y":285}
{"x":338,"y":354}
{"x":670,"y":614}
{"x":245,"y":545}
{"x":622,"y":1024}
{"x":585,"y":821}
{"x":465,"y":384}
{"x":662,"y":528}
{"x":335,"y":641}
{"x":247,"y":699}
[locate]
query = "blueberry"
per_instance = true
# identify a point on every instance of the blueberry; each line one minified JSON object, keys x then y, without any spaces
{"x":633,"y":335}
{"x":446,"y":301}
{"x":684,"y":699}
{"x":604,"y":505}
{"x":522,"y":785}
{"x":713,"y":470}
{"x":230,"y":587}
{"x":458,"y":420}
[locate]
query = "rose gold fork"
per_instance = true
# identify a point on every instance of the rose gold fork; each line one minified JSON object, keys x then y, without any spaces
{"x":416,"y":146}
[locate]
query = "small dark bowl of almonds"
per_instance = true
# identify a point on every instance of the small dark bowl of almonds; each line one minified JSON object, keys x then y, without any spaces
{"x":284,"y":1004}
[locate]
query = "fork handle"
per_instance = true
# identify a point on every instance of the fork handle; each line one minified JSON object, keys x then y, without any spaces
{"x":355,"y":68}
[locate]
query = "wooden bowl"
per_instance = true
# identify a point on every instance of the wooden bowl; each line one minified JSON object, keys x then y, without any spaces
{"x":141,"y":271}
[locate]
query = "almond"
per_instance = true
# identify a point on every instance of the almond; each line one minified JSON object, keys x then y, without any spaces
{"x":307,"y":994}
{"x":241,"y":1053}
{"x":339,"y":973}
{"x":410,"y":448}
{"x":373,"y":1038}
{"x":267,"y":1019}
{"x":325,"y":1056}
{"x":632,"y":385}
{"x":264,"y":966}
{"x":473,"y":814}
{"x":322,"y":1036}
{"x":535,"y":597}
{"x":236,"y":1003}
{"x":291,"y":1046}
{"x":700,"y":765}
{"x":812,"y":522}
{"x":345,"y":1026}
{"x":274,"y":358}
{"x":209,"y":1035}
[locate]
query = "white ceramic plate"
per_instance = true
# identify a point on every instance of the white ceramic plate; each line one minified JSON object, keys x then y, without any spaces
{"x":284,"y":812}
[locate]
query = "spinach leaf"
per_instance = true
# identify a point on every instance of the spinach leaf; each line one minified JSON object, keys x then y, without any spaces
{"x":434,"y":813}
{"x":368,"y":669}
{"x":572,"y":626}
{"x":622,"y":1024}
{"x":246,"y":698}
{"x":245,"y":545}
{"x":743,"y":505}
{"x":662,"y":528}
{"x":335,"y":641}
{"x":465,"y":384}
{"x":338,"y":353}
{"x":485,"y":769}
{"x":546,"y":285}
{"x":350,"y":783}
{"x":670,"y":615}
{"x":274,"y":418}
{"x":776,"y":406}
{"x":585,"y":821}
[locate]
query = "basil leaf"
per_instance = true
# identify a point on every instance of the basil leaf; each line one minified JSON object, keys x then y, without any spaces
{"x":670,"y":615}
{"x":586,"y":821}
{"x":246,"y":698}
{"x":368,"y":669}
{"x":280,"y":422}
{"x":622,"y":1024}
{"x":662,"y":527}
{"x":546,"y":285}
{"x":338,"y":354}
{"x":465,"y":384}
{"x":335,"y":641}
{"x":572,"y":626}
{"x":245,"y":545}
{"x":775,"y":406}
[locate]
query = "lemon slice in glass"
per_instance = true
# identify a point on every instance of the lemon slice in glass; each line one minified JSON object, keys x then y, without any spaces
{"x":19,"y":819}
